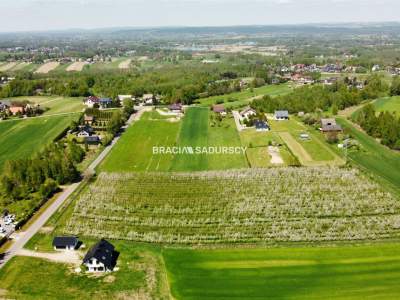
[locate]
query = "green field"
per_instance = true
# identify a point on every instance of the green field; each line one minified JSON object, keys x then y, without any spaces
{"x":55,"y":104}
{"x":196,"y":131}
{"x":310,"y":152}
{"x":374,"y":157}
{"x":235,"y":206}
{"x":257,"y":151}
{"x":391,"y":104}
{"x":141,"y":275}
{"x":244,"y":97}
{"x":134,"y":151}
{"x":22,"y":138}
{"x":347,"y":272}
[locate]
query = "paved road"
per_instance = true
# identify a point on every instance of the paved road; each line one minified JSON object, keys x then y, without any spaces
{"x":24,"y":237}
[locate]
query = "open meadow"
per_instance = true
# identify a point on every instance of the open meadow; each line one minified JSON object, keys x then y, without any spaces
{"x":345,"y":272}
{"x":244,"y":206}
{"x":55,"y":104}
{"x":245,"y":97}
{"x":391,"y":104}
{"x":22,"y":138}
{"x":134,"y":151}
{"x":375,"y":158}
{"x":199,"y":131}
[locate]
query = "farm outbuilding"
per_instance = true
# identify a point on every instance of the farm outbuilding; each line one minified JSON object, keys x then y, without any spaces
{"x":65,"y":242}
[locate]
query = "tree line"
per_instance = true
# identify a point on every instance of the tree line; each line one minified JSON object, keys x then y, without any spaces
{"x":38,"y":177}
{"x":317,"y":97}
{"x":384,"y":126}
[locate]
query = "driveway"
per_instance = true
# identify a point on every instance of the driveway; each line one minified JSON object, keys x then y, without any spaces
{"x":236,"y":116}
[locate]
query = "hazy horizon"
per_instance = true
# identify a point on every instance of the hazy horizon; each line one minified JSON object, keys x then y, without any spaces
{"x":45,"y":15}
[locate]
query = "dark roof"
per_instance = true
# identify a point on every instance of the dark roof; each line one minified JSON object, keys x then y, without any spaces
{"x":92,"y":139}
{"x":64,"y":241}
{"x":261,"y":124}
{"x":104,"y":252}
{"x":281,"y":114}
{"x":105,"y":100}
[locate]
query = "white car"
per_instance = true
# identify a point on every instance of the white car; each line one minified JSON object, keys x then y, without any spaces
{"x":7,"y":221}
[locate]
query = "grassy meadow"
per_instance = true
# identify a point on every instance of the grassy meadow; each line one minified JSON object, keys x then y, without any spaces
{"x":55,"y":104}
{"x":23,"y":137}
{"x":374,"y":157}
{"x":244,"y":97}
{"x":391,"y":104}
{"x":346,"y":272}
{"x":197,"y":131}
{"x":134,"y":151}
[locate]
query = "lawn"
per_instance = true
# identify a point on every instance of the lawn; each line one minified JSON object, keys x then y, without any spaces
{"x":55,"y":104}
{"x":244,"y":97}
{"x":134,"y":151}
{"x":235,"y":206}
{"x":374,"y":157}
{"x":257,"y":151}
{"x":23,"y":137}
{"x":141,"y":275}
{"x":199,"y":131}
{"x":346,"y":272}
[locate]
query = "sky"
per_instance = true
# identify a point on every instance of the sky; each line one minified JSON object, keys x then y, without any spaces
{"x":43,"y":15}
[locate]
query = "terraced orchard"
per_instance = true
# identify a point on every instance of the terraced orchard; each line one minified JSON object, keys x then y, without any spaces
{"x":255,"y":205}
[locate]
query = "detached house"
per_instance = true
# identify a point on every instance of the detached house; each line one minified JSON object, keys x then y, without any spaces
{"x":281,"y":115}
{"x":88,"y":120}
{"x":91,"y":101}
{"x":105,"y":102}
{"x":15,"y":109}
{"x":102,"y":257}
{"x":247,"y":113}
{"x":329,"y":125}
{"x":261,"y":125}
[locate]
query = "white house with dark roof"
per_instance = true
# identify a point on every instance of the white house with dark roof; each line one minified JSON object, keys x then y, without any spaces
{"x":102,"y":257}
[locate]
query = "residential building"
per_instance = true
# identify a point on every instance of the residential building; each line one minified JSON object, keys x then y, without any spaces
{"x":281,"y":115}
{"x":102,"y":257}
